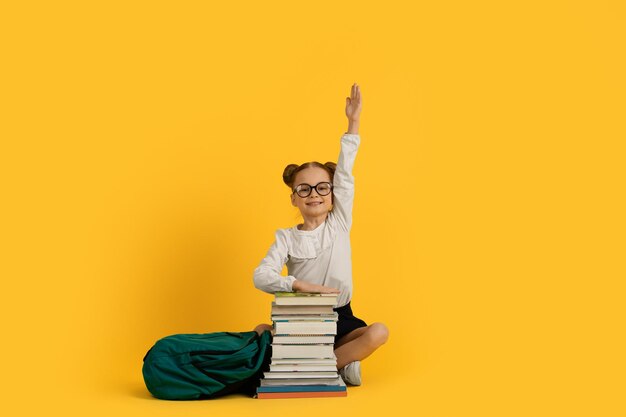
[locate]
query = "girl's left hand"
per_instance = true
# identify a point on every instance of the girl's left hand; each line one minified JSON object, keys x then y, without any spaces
{"x":353,"y":103}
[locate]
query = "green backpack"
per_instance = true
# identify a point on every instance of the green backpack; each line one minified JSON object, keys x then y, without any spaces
{"x":199,"y":366}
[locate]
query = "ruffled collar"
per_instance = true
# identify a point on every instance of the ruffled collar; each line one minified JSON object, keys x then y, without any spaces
{"x":311,"y":243}
{"x":310,"y":231}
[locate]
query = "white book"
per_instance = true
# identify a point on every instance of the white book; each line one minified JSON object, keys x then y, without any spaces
{"x":305,"y":327}
{"x":307,"y":317}
{"x":302,"y":351}
{"x":299,"y":309}
{"x":305,"y":361}
{"x":302,"y":340}
{"x":302,"y":368}
{"x":299,"y":375}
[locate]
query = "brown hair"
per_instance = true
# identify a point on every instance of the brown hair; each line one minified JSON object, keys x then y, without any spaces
{"x":291,"y":170}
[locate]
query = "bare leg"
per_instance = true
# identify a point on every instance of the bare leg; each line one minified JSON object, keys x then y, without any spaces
{"x":360,"y":343}
{"x":351,"y":336}
{"x":263,"y":327}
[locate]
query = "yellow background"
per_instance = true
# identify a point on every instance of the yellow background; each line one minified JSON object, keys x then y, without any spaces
{"x":143,"y":145}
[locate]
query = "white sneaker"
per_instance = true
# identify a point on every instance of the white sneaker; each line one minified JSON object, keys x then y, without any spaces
{"x":351,"y":373}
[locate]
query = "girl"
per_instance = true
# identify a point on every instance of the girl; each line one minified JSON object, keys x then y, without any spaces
{"x":317,"y":252}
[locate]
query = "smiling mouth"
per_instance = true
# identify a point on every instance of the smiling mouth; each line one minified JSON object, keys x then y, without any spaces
{"x":313,"y":204}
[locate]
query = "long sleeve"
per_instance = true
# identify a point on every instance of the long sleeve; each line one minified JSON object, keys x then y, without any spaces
{"x":267,"y":275}
{"x":343,"y":180}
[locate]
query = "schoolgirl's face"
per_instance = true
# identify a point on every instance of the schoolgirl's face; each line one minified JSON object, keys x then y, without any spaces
{"x":314,"y":204}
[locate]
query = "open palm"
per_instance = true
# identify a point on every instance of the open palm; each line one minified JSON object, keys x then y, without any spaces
{"x":353,"y":103}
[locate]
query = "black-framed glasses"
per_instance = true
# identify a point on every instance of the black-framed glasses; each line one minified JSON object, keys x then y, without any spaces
{"x":322,"y":188}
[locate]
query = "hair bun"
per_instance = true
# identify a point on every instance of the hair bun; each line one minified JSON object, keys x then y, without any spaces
{"x":288,"y":174}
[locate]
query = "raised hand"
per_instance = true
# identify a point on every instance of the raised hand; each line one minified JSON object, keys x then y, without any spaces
{"x":353,"y":104}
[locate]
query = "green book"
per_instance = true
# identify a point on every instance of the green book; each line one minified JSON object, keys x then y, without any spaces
{"x":304,"y":298}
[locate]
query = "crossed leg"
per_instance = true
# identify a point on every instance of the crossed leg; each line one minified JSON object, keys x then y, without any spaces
{"x":360,"y":343}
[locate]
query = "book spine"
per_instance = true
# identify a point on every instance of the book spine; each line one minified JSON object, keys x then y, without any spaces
{"x":301,"y":394}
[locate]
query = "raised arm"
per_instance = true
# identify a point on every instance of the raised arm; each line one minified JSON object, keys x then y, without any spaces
{"x":343,"y":180}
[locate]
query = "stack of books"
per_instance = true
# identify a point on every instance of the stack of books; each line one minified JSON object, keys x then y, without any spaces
{"x":303,"y":362}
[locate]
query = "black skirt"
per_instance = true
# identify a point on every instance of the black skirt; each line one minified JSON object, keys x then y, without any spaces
{"x":347,"y":321}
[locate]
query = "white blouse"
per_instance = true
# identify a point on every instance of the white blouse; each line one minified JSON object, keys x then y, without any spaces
{"x":323,"y":255}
